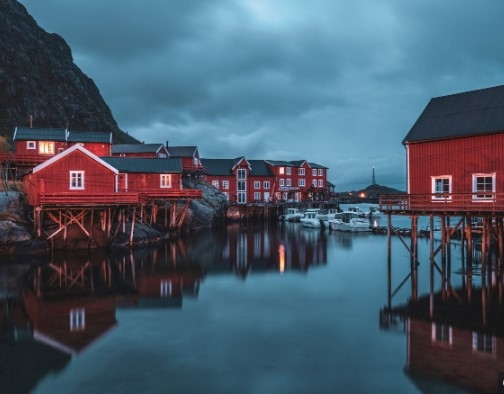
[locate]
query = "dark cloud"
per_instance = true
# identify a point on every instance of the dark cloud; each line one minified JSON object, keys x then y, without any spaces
{"x":334,"y":82}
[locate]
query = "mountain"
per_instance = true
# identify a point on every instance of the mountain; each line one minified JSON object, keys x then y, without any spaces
{"x":369,"y":194}
{"x":39,"y":79}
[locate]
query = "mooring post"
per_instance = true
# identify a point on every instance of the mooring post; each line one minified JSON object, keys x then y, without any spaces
{"x":431,"y":252}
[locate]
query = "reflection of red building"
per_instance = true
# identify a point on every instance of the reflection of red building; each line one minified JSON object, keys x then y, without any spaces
{"x":458,"y":340}
{"x":273,"y":249}
{"x":70,"y":324}
{"x":467,"y":357}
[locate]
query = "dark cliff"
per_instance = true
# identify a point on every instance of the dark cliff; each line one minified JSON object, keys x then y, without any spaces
{"x":38,"y":78}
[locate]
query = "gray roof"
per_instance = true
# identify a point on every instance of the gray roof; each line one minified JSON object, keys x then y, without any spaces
{"x":315,"y":165}
{"x":145,"y":165}
{"x":182,"y":151}
{"x":460,"y":115}
{"x":222,"y":167}
{"x":259,"y":168}
{"x":32,"y":134}
{"x":136,"y":148}
{"x":90,"y":136}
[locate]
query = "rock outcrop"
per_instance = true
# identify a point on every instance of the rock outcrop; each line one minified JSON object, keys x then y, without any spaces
{"x":38,"y":78}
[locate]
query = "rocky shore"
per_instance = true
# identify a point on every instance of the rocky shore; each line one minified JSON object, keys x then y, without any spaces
{"x":17,"y":237}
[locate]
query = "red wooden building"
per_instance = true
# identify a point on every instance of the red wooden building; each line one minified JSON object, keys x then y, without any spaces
{"x":191,"y":163}
{"x":36,"y":145}
{"x":454,"y":154}
{"x":74,"y":175}
{"x":246,"y":181}
{"x":139,"y":150}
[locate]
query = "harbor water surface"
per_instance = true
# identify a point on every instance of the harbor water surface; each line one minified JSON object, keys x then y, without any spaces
{"x":263,"y":308}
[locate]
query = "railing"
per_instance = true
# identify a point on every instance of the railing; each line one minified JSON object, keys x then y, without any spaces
{"x":83,"y":199}
{"x":23,"y":159}
{"x":450,"y":203}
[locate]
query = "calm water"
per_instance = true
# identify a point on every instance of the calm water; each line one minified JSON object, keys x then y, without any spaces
{"x":275,"y":309}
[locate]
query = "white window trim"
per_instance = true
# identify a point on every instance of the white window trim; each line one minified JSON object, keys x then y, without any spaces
{"x":162,"y":181}
{"x":301,"y":182}
{"x":321,"y":183}
{"x":257,"y":196}
{"x":77,"y":319}
{"x":82,"y":185}
{"x":288,"y":182}
{"x":434,"y":338}
{"x":475,"y":192}
{"x":301,"y":171}
{"x":31,"y":145}
{"x":320,"y":172}
{"x":282,"y":182}
{"x":225,"y":185}
{"x":314,"y":172}
{"x":257,"y":184}
{"x":266,"y":185}
{"x":287,"y":171}
{"x":439,"y":196}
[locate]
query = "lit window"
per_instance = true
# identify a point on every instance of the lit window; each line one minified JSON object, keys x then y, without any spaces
{"x":301,"y":182}
{"x":257,"y":184}
{"x":266,"y":185}
{"x":77,"y":319}
{"x":281,"y":170}
{"x":483,"y":185}
{"x":46,"y":148}
{"x":301,"y":171}
{"x":215,"y":184}
{"x":31,"y":145}
{"x":76,"y":180}
{"x":441,"y":187}
{"x":165,"y":180}
{"x":225,"y":184}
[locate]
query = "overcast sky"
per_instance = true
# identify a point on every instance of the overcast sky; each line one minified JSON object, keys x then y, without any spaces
{"x":336,"y":82}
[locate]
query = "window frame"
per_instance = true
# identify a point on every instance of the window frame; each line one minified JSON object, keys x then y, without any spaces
{"x":162,"y":181}
{"x":79,"y":177}
{"x":480,"y":196}
{"x":31,"y":145}
{"x":440,"y":195}
{"x":257,"y":185}
{"x":301,"y":171}
{"x":225,"y":185}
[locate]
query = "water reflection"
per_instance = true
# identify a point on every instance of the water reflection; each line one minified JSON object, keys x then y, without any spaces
{"x":455,"y":334}
{"x":52,"y":312}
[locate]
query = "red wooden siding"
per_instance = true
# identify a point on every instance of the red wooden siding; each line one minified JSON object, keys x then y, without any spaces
{"x":460,"y":158}
{"x":55,"y":178}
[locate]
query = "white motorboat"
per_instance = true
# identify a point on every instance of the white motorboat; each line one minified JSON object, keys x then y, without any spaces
{"x":310,"y":219}
{"x":349,"y":221}
{"x":375,"y":213}
{"x":293,"y":215}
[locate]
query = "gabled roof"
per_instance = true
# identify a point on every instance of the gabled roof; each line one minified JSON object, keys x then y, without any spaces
{"x":68,"y":151}
{"x":31,"y":134}
{"x":89,"y":136}
{"x":137,"y":148}
{"x":460,"y":115}
{"x":315,"y":165}
{"x":239,"y":160}
{"x":182,"y":151}
{"x":145,"y":165}
{"x":280,"y":163}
